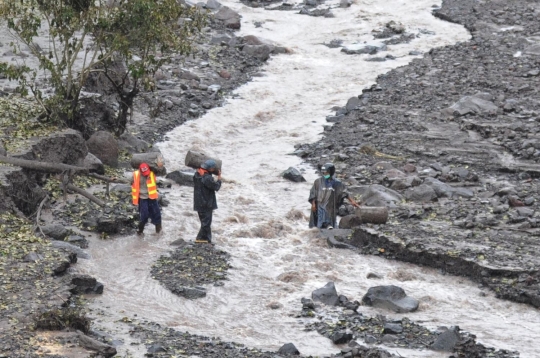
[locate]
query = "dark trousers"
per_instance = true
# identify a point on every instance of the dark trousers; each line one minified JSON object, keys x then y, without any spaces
{"x":149,"y":208}
{"x":205,"y":233}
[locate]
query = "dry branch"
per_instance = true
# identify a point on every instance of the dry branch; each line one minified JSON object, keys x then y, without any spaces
{"x":41,"y":166}
{"x":85,"y":194}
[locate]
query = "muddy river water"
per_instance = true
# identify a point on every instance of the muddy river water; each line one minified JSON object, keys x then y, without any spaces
{"x":261,"y":220}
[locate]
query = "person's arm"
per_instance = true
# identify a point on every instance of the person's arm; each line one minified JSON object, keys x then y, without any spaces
{"x":209,"y":182}
{"x":313,"y":197}
{"x":352,"y":201}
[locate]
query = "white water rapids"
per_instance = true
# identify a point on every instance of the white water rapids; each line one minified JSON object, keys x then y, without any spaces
{"x":253,"y":134}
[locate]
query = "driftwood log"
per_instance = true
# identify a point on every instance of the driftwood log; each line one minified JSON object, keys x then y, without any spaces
{"x":153,"y":159}
{"x":194,"y":159}
{"x":41,"y":166}
{"x":372,"y":214}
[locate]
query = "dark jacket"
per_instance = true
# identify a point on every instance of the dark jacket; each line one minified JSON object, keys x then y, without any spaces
{"x":204,"y":194}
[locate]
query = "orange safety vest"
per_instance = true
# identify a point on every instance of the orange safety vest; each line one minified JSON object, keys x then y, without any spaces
{"x":150,"y":183}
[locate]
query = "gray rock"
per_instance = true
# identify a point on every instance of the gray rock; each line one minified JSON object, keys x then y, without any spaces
{"x":352,"y":103}
{"x":93,"y":164}
{"x":213,"y":5}
{"x":525,"y":212}
{"x":365,"y":48}
{"x":422,"y":193}
{"x":121,"y":188}
{"x":390,"y":297}
{"x":500,"y":209}
{"x":219,"y":39}
{"x":341,"y":337}
{"x":392,"y":328}
{"x":462,"y":193}
{"x":327,"y":295}
{"x":55,"y":231}
{"x":446,"y":341}
{"x":442,"y":190}
{"x":533,"y":49}
{"x":473,"y":105}
{"x":345,"y":3}
{"x":288,"y":348}
{"x":293,"y":175}
{"x":181,"y":178}
{"x":261,"y":52}
{"x":230,"y":17}
{"x":378,"y":195}
{"x":132,"y":144}
{"x":349,"y":221}
{"x":380,"y":166}
{"x":104,"y":146}
{"x":32,"y":257}
{"x":85,"y":284}
{"x":77,"y":240}
{"x":70,"y":248}
{"x":190,"y":292}
{"x":406,"y":182}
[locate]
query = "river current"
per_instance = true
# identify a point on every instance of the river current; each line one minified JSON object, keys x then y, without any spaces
{"x":262,"y":218}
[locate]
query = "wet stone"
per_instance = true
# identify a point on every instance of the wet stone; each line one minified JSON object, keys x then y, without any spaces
{"x":327,"y":294}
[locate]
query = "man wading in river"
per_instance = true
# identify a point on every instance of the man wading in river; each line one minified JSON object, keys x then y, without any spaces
{"x":144,"y":194}
{"x":204,"y":197}
{"x":326,"y":196}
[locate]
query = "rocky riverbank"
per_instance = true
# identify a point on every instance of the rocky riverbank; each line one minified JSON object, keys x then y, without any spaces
{"x":37,"y":289}
{"x":440,"y":170}
{"x":450,"y":143}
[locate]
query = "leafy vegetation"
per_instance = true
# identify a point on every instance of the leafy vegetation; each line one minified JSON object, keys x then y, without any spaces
{"x":91,"y":37}
{"x":18,"y":122}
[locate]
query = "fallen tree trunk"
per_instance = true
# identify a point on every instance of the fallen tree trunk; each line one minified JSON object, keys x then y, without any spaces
{"x":194,"y":159}
{"x":41,"y":166}
{"x":372,"y":214}
{"x":85,"y":194}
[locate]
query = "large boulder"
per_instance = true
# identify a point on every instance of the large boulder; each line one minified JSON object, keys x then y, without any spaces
{"x":327,"y":295}
{"x":422,"y":193}
{"x":230,"y":18}
{"x":378,"y":195}
{"x":390,"y":297}
{"x":181,"y":178}
{"x":289,"y":348}
{"x":93,"y":164}
{"x":85,"y":284}
{"x":56,"y":231}
{"x":260,"y":52}
{"x":447,"y":340}
{"x":476,"y":104}
{"x":293,"y":174}
{"x":104,"y":146}
{"x":132,"y":144}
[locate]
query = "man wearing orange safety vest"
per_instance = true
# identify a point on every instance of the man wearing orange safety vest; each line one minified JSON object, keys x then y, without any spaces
{"x":144,"y":194}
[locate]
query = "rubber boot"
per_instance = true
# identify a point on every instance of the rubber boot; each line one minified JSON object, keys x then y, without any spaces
{"x":158,"y":228}
{"x":140,"y":229}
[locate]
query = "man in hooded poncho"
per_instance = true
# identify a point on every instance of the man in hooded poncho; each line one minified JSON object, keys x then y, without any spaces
{"x":326,"y":196}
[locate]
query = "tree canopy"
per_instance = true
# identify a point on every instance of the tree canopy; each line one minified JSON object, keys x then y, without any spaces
{"x":85,"y":36}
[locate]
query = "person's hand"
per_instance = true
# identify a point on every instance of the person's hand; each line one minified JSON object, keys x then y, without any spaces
{"x":219,"y":174}
{"x":313,"y":206}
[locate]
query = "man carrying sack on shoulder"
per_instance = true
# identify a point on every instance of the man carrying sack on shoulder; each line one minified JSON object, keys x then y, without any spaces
{"x":144,"y":194}
{"x":204,"y":197}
